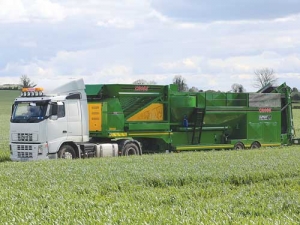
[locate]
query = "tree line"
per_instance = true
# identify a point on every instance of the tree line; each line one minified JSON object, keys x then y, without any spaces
{"x":25,"y":82}
{"x":262,"y":77}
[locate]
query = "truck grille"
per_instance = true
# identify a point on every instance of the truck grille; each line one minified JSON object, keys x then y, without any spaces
{"x":24,"y":148}
{"x":24,"y":154}
{"x":24,"y":137}
{"x":24,"y":151}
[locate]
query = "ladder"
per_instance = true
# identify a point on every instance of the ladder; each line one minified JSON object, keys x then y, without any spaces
{"x":198,"y":123}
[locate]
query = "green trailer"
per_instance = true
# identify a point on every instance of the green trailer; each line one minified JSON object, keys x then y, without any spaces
{"x":158,"y":118}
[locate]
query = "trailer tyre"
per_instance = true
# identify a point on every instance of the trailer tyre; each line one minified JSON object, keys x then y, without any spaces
{"x":66,"y":152}
{"x":255,"y":145}
{"x":239,"y":146}
{"x":130,"y":149}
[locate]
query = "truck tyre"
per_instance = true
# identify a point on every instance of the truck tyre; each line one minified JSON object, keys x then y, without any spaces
{"x":130,"y":148}
{"x":66,"y":152}
{"x":255,"y":145}
{"x":239,"y":146}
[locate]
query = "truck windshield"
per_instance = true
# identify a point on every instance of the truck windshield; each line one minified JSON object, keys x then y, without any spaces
{"x":29,"y":112}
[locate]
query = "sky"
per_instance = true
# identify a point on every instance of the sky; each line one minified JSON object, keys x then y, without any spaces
{"x":212,"y":44}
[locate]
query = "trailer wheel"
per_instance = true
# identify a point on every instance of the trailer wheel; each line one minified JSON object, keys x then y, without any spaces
{"x":239,"y":146}
{"x":66,"y":152}
{"x":130,"y":149}
{"x":255,"y":145}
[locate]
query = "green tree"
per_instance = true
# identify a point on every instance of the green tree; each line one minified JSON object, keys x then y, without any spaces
{"x":193,"y":89}
{"x":237,"y":88}
{"x":181,"y":82}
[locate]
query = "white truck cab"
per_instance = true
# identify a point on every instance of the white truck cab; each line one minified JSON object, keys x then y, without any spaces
{"x":49,"y":125}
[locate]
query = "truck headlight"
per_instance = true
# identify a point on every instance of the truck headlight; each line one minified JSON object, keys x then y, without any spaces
{"x":40,"y":149}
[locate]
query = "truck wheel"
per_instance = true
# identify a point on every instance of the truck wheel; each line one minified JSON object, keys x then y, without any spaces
{"x":239,"y":146}
{"x":130,"y":149}
{"x":255,"y":145}
{"x":66,"y":152}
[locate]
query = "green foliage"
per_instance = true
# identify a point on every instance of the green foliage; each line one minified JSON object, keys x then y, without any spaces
{"x":215,"y":187}
{"x":296,"y":116}
{"x":295,"y":96}
{"x":6,"y":100}
{"x":237,"y":88}
{"x":224,"y":187}
{"x":181,"y":83}
{"x":9,"y":88}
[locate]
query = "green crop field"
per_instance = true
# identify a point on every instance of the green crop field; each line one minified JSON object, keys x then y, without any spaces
{"x":260,"y":186}
{"x":6,"y":100}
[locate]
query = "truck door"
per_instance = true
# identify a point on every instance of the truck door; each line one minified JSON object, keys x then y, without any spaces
{"x":73,"y":113}
{"x":56,"y":126}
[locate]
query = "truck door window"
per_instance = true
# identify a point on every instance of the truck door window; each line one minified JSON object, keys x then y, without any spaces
{"x":61,"y":111}
{"x":58,"y":109}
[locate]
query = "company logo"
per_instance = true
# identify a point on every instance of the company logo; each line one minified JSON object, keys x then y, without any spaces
{"x":141,"y":88}
{"x":265,"y":110}
{"x":265,"y":117}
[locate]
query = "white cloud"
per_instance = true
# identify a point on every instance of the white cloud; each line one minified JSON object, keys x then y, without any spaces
{"x":220,"y":73}
{"x":183,"y":64}
{"x":20,"y":11}
{"x":117,"y":22}
{"x":144,"y":43}
{"x":28,"y":44}
{"x":46,"y":10}
{"x":12,"y":11}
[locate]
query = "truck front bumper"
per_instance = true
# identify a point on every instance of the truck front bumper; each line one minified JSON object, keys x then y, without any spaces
{"x":30,"y":152}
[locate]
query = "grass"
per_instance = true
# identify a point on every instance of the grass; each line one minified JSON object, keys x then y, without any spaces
{"x":216,"y":187}
{"x":6,"y":100}
{"x":296,"y":116}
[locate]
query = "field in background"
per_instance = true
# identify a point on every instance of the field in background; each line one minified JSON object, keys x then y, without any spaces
{"x":215,"y":187}
{"x":6,"y":100}
{"x":296,"y":116}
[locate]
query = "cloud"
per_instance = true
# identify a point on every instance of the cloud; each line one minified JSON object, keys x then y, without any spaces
{"x":12,"y":11}
{"x":20,"y":11}
{"x":202,"y":72}
{"x":220,"y":73}
{"x":183,"y":64}
{"x":116,"y":22}
{"x":123,"y":41}
{"x":216,"y":10}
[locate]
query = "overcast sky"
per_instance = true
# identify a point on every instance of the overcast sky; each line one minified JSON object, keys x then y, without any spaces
{"x":211,"y":43}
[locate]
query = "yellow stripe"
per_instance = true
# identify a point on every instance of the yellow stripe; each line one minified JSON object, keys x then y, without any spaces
{"x":268,"y":145}
{"x":220,"y":146}
{"x":136,"y":134}
{"x":118,"y":134}
{"x":204,"y":147}
{"x":148,"y":134}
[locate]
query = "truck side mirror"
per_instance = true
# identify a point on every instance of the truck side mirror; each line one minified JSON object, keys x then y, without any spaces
{"x":12,"y":109}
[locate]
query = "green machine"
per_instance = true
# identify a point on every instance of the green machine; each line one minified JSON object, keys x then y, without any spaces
{"x":158,"y":118}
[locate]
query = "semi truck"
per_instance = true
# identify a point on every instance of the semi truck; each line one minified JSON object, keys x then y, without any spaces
{"x":78,"y":120}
